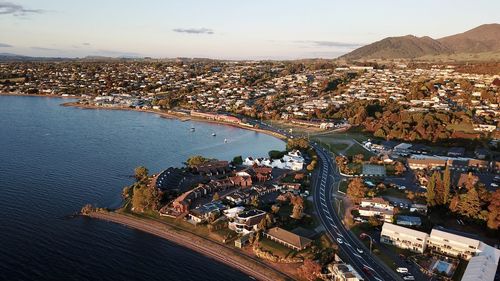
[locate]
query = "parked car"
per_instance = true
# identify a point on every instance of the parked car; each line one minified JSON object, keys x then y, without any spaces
{"x":402,"y":270}
{"x":339,"y":240}
{"x":409,"y":277}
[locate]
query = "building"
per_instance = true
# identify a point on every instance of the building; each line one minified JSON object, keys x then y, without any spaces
{"x":403,"y":237}
{"x":453,"y":245}
{"x":376,"y":207}
{"x":483,"y":266}
{"x":287,"y":238}
{"x":246,"y":222}
{"x":409,"y":221}
{"x":343,"y":272}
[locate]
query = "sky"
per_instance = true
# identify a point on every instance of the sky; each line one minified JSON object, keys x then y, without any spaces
{"x":226,"y":29}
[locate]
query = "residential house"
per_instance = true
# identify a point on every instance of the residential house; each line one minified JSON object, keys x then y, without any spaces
{"x":287,"y":238}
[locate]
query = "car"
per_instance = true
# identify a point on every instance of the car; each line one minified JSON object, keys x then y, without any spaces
{"x":402,"y":187}
{"x":409,"y":277}
{"x":367,"y":271}
{"x":494,"y":184}
{"x":402,"y":270}
{"x":359,"y":250}
{"x":339,"y":240}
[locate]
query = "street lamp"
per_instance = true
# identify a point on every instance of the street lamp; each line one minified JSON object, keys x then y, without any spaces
{"x":363,"y":235}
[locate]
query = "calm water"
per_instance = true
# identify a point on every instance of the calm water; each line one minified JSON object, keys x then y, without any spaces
{"x":54,"y":159}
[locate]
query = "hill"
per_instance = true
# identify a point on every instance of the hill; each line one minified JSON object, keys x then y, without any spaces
{"x":484,"y":38}
{"x":481,"y":43}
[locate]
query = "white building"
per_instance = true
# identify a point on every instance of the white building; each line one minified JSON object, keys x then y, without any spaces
{"x":376,"y":207}
{"x":403,"y":237}
{"x":452,"y":244}
{"x":483,"y":266}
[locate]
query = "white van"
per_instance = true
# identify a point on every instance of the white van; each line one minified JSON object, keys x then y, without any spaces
{"x":402,"y":270}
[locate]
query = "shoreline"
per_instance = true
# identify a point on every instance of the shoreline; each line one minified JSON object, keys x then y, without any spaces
{"x":162,"y":114}
{"x":211,"y":249}
{"x":169,"y":115}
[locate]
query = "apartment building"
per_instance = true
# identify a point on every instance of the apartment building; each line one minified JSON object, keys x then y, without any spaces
{"x":403,"y":237}
{"x":453,"y":245}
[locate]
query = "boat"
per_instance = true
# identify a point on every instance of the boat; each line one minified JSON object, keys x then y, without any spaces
{"x":225,"y":140}
{"x":213,"y":134}
{"x":192,"y":129}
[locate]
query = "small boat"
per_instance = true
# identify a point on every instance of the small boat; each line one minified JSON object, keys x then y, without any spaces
{"x":225,"y":140}
{"x":192,"y":129}
{"x":213,"y":134}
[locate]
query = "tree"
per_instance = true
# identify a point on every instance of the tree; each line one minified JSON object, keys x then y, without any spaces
{"x":196,"y":160}
{"x":469,"y":205}
{"x":446,"y":185}
{"x":399,"y":168}
{"x":356,"y":189}
{"x":431,"y":194}
{"x":145,"y":198}
{"x":438,"y":187}
{"x":494,"y":209}
{"x":275,"y":209}
{"x":298,"y":206}
{"x":238,"y":160}
{"x":216,"y":197}
{"x":298,"y":143}
{"x":309,"y":270}
{"x":276,"y":154}
{"x":141,"y":173}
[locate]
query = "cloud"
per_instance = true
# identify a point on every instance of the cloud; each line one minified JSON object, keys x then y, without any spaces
{"x":111,"y":53}
{"x":330,"y":44}
{"x":194,"y":30}
{"x":43,"y":48}
{"x":3,"y":45}
{"x":8,"y":8}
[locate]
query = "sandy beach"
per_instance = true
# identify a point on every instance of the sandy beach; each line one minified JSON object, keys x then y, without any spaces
{"x":223,"y":253}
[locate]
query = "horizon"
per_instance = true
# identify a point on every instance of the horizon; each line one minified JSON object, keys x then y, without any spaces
{"x":194,"y":29}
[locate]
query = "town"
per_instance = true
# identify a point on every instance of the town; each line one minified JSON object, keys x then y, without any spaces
{"x":411,"y":152}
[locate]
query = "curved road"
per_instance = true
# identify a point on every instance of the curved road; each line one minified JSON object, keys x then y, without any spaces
{"x":324,"y":181}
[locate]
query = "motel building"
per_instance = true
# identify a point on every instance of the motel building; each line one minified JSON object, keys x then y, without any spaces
{"x":403,"y":237}
{"x":452,"y":245}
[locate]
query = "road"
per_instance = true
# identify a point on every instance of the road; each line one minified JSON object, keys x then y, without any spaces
{"x":325,"y":179}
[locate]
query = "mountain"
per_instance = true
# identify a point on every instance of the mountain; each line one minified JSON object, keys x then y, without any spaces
{"x":399,"y":47}
{"x":480,"y":40}
{"x":484,"y":38}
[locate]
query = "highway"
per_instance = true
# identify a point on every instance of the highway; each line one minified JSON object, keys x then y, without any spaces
{"x":323,"y":183}
{"x":325,"y":178}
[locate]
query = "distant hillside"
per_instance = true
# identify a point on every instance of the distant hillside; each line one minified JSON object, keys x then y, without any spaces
{"x":484,"y":39}
{"x":399,"y":47}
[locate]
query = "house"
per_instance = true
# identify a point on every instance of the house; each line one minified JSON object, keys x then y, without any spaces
{"x":376,"y":207}
{"x":408,"y":221}
{"x":212,"y":168}
{"x":403,"y":237}
{"x":287,"y":238}
{"x":419,"y":208}
{"x":205,"y":212}
{"x":402,"y":149}
{"x":452,"y":244}
{"x":241,"y":179}
{"x":343,"y":272}
{"x":246,"y":222}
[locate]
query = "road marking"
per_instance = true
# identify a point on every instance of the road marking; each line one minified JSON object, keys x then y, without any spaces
{"x":324,"y":204}
{"x":368,"y":267}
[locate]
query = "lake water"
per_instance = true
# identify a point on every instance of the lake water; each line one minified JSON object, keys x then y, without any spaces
{"x":55,"y":159}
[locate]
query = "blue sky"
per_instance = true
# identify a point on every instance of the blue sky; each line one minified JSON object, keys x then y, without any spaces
{"x":230,"y":29}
